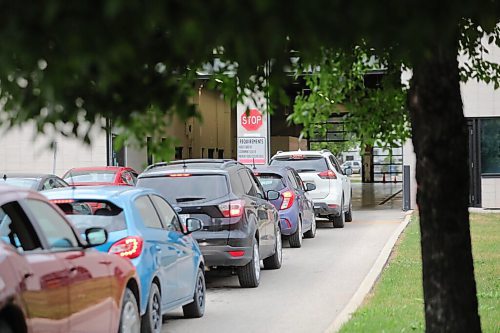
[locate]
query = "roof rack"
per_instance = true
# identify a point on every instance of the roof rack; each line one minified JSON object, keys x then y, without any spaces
{"x":325,"y":151}
{"x":223,"y":162}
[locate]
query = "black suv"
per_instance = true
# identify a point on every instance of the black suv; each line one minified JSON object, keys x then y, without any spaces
{"x":240,"y":226}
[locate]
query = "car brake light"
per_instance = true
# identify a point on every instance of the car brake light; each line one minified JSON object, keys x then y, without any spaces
{"x":62,"y":201}
{"x":288,"y":198}
{"x":128,"y":247}
{"x":236,"y":253}
{"x":328,"y":174}
{"x":232,"y":208}
{"x":179,"y":175}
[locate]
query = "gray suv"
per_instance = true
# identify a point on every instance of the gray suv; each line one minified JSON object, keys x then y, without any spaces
{"x":240,"y":226}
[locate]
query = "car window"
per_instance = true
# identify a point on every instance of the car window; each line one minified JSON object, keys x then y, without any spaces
{"x":90,"y":176}
{"x":54,"y":227}
{"x":236,"y":184}
{"x":298,"y":179}
{"x":248,"y":186}
{"x":49,"y":184}
{"x":271,"y":181}
{"x":257,"y":185}
{"x":292,"y":180}
{"x":335,"y":164}
{"x":16,"y":229}
{"x":167,"y":213}
{"x":148,"y":212}
{"x":60,"y":183}
{"x":127,"y":178}
{"x":302,"y":163}
{"x":185,"y":187}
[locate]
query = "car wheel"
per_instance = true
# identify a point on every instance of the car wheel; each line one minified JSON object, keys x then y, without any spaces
{"x":348,"y":214}
{"x":338,"y":221}
{"x":152,"y":319}
{"x":249,"y":275}
{"x":196,"y":308}
{"x":274,"y":261}
{"x":130,"y":321}
{"x":5,"y":327}
{"x":295,"y":240}
{"x":311,"y":233}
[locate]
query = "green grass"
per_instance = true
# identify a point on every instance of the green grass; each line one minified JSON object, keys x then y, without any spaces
{"x":396,"y":302}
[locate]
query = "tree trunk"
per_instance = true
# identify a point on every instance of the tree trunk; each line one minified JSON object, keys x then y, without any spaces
{"x":440,"y":142}
{"x":367,"y":169}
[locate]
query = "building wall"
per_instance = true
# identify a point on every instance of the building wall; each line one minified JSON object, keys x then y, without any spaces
{"x":22,"y":151}
{"x":286,"y":143}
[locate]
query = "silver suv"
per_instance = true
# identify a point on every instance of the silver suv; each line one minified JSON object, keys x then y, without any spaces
{"x":332,"y":197}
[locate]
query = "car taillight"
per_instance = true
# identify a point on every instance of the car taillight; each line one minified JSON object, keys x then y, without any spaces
{"x":176,"y":175}
{"x":128,"y":247}
{"x":232,"y":208}
{"x":62,"y":201}
{"x":288,"y":198}
{"x":328,"y":174}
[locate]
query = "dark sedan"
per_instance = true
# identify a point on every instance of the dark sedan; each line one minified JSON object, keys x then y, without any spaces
{"x":50,"y":279}
{"x":33,"y":181}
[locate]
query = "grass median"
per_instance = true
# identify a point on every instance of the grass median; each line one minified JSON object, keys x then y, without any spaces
{"x":396,"y":302}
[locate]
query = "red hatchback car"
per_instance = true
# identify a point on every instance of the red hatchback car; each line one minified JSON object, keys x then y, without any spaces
{"x":107,"y":175}
{"x":51,"y":280}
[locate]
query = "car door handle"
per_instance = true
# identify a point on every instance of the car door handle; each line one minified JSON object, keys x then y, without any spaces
{"x":105,"y":262}
{"x":27,"y":275}
{"x":158,"y":248}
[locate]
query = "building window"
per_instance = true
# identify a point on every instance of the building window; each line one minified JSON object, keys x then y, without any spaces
{"x":221,"y":153}
{"x":211,"y":152}
{"x":178,"y":153}
{"x":490,"y":146}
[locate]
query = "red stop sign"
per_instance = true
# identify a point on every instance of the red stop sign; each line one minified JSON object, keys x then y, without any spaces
{"x":251,"y":120}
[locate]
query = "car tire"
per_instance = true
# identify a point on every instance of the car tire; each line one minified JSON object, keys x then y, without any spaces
{"x":196,"y":308}
{"x":274,"y":261}
{"x":295,"y":239}
{"x":130,"y":320}
{"x":339,"y":221}
{"x":152,"y":319}
{"x":311,"y":233}
{"x":348,"y":214}
{"x":249,"y":275}
{"x":5,"y":327}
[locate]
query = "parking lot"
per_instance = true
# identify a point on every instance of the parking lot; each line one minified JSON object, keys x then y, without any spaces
{"x":315,"y":282}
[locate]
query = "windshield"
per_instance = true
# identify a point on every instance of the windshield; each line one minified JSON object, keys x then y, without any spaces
{"x":302,"y":163}
{"x":90,"y":176}
{"x":188,"y":188}
{"x":271,"y":182}
{"x":89,"y":214}
{"x":30,"y":183}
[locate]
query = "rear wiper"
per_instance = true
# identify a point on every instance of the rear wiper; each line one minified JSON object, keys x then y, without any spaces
{"x":305,"y":170}
{"x":185,"y":199}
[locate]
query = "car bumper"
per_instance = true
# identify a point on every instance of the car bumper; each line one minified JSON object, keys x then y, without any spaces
{"x":225,"y":248}
{"x":324,"y":209}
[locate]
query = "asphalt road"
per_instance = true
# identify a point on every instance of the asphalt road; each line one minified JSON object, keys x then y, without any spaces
{"x":313,"y":285}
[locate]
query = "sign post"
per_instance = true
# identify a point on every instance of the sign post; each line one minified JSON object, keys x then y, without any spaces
{"x":253,"y":130}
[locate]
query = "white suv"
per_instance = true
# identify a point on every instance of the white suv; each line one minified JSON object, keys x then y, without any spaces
{"x":332,"y":196}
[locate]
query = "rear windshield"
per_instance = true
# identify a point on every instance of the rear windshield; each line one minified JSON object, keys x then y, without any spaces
{"x":271,"y":182}
{"x":302,"y":163}
{"x":88,"y":214}
{"x":188,"y":188}
{"x":30,"y":183}
{"x":90,"y":176}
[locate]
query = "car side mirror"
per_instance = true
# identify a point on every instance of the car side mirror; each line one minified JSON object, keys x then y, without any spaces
{"x":177,"y":209}
{"x":193,"y":224}
{"x":348,"y":171}
{"x":96,"y":236}
{"x":310,"y":187}
{"x":272,"y":195}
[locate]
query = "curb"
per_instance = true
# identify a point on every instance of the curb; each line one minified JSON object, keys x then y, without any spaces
{"x":369,"y":280}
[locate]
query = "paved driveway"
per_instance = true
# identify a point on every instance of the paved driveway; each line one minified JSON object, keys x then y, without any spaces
{"x":314,"y":283}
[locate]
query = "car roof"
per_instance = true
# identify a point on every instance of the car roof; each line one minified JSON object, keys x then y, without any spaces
{"x":108,"y":193}
{"x":101,"y":168}
{"x":28,"y":175}
{"x":215,"y":166}
{"x":302,"y":152}
{"x":10,"y":193}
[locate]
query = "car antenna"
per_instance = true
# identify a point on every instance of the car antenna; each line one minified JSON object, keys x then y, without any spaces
{"x":253,"y":162}
{"x":72,"y":182}
{"x":4,"y":177}
{"x":184,"y":164}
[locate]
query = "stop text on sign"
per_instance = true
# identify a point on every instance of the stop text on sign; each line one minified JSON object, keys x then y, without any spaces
{"x":252,"y":120}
